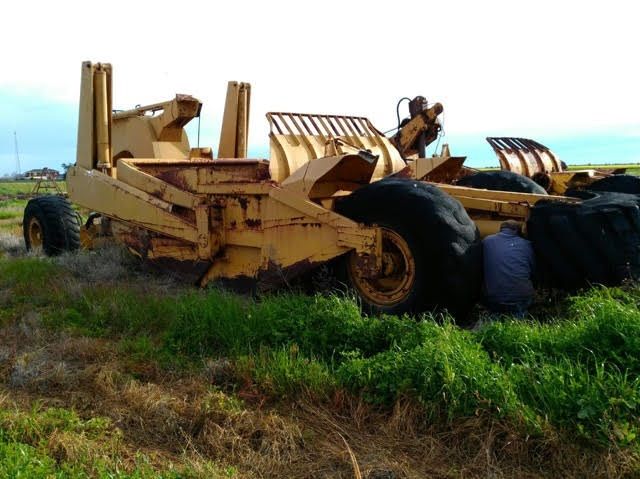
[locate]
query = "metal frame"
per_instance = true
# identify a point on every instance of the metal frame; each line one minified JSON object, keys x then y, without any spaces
{"x":225,"y":217}
{"x":238,"y":219}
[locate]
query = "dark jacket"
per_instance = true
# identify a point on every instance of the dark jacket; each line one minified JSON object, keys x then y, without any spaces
{"x":508,"y":268}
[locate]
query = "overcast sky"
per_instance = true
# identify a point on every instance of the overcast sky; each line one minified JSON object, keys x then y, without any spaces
{"x":562,"y":72}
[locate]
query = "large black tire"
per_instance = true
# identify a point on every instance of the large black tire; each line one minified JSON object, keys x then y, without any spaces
{"x":502,"y":181}
{"x":582,"y":194}
{"x":629,"y":184}
{"x":443,"y":240}
{"x":50,"y":223}
{"x":593,"y":242}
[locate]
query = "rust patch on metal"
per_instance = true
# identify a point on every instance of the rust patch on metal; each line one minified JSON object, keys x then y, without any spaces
{"x":447,"y":171}
{"x":262,"y":172}
{"x":253,"y":223}
{"x":271,"y":278}
{"x":174,"y":178}
{"x":524,"y":156}
{"x":244,"y":202}
{"x":139,"y":241}
{"x":238,"y":171}
{"x":186,"y":213}
{"x":366,"y":265}
{"x":136,"y":239}
{"x":464,"y":171}
{"x":403,"y":173}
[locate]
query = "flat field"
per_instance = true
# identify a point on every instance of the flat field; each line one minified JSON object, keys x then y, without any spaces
{"x":632,"y":168}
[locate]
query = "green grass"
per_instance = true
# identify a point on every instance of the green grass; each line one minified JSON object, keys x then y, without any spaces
{"x":577,"y":374}
{"x":12,"y":208}
{"x":24,"y":187}
{"x":16,"y":187}
{"x":608,"y":166}
{"x":10,"y":213}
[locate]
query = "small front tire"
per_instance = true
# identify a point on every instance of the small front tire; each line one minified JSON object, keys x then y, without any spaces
{"x":51,"y":224}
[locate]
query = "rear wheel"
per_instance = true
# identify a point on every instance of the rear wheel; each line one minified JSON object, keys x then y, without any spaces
{"x":34,"y":233}
{"x":50,"y":224}
{"x":629,"y":184}
{"x":397,"y":280}
{"x":431,"y":257}
{"x":502,"y":181}
{"x":596,"y":241}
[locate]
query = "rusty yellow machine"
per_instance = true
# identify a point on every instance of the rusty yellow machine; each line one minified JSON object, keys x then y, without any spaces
{"x":536,"y":161}
{"x":521,"y":158}
{"x":334,"y":190}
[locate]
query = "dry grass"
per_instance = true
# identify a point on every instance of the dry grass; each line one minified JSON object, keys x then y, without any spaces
{"x":115,"y":265}
{"x":400,"y":444}
{"x":109,"y":264}
{"x":11,"y":227}
{"x":11,"y":210}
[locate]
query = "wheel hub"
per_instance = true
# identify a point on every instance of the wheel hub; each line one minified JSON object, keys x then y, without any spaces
{"x":397,"y":274}
{"x":35,"y":233}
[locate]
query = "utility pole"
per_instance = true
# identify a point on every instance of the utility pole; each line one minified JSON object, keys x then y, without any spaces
{"x":15,"y":141}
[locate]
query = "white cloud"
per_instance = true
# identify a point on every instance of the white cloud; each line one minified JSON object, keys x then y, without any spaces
{"x":497,"y":66}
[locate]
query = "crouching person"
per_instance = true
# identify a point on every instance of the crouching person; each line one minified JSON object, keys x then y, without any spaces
{"x":508,"y":269}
